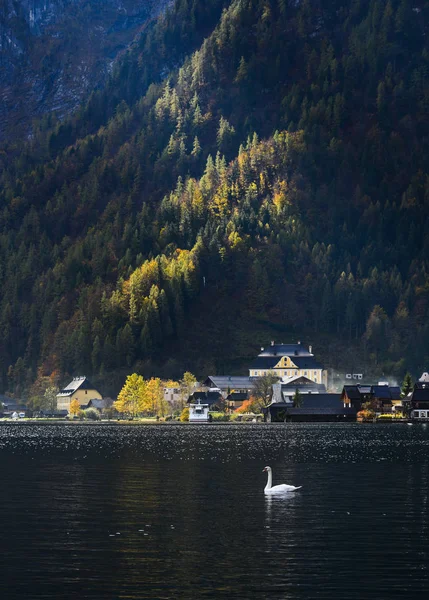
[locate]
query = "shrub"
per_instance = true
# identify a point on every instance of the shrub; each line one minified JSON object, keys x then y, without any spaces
{"x":92,"y":414}
{"x":185,"y":414}
{"x":219,"y":416}
{"x":249,"y":417}
{"x":110,"y":413}
{"x":390,"y":416}
{"x":366,"y":415}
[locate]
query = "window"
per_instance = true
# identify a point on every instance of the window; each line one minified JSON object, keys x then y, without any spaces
{"x":86,"y":391}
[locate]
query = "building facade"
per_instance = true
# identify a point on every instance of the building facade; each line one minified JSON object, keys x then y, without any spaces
{"x":312,"y":407}
{"x":419,"y":401}
{"x":198,"y":412}
{"x":383,"y":398}
{"x":288,"y":360}
{"x":79,"y":389}
{"x":229,"y":383}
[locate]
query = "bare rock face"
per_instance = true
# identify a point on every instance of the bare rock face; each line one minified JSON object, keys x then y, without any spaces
{"x":54,"y":52}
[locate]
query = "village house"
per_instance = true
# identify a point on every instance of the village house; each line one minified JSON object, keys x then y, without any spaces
{"x":288,"y":360}
{"x":419,"y":401}
{"x":312,"y":408}
{"x":80,"y":389}
{"x":100,"y":405}
{"x":10,"y":407}
{"x":383,"y":397}
{"x":229,"y":383}
{"x":235,"y":400}
{"x":286,"y":389}
{"x":172,"y":395}
{"x":212,"y":398}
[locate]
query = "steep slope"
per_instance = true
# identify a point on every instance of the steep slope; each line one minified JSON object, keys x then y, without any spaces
{"x":168,"y":224}
{"x":54,"y":52}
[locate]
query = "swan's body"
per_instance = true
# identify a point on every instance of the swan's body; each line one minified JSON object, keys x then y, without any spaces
{"x":277,"y":489}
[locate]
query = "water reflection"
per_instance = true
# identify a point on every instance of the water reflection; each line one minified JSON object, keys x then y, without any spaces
{"x":280,"y":511}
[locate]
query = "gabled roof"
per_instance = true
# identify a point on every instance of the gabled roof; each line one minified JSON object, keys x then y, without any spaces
{"x":364,"y":389}
{"x":237,"y":396}
{"x":306,"y":362}
{"x":14,"y":406}
{"x":301,"y":362}
{"x":298,"y":380}
{"x":420,"y":395}
{"x":231,"y":382}
{"x":421,"y":385}
{"x":381,"y":391}
{"x":282,"y":391}
{"x":355,"y":392}
{"x":314,"y":401}
{"x":265,"y":362}
{"x":100,"y":404}
{"x":319,"y":400}
{"x":317,"y":388}
{"x":322,"y":410}
{"x":352,"y":392}
{"x":395,"y":392}
{"x":280,"y":350}
{"x":76,"y":383}
{"x":205,"y":398}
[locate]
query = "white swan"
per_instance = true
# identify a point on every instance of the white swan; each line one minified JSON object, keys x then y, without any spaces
{"x":277,"y":489}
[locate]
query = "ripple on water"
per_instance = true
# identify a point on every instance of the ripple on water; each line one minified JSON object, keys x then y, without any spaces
{"x":178,"y":511}
{"x":300,"y":443}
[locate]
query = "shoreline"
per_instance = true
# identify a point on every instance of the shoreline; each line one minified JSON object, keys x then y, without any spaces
{"x":151,"y":422}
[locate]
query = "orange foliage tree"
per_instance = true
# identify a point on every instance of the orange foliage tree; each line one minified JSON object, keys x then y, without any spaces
{"x":248,"y":406}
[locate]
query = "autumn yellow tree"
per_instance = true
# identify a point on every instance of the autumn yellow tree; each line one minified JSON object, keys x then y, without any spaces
{"x":154,"y":401}
{"x":171,"y":384}
{"x":131,"y":398}
{"x":74,"y":407}
{"x":187,"y":386}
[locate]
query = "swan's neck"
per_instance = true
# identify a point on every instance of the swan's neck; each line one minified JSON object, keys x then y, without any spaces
{"x":269,"y":481}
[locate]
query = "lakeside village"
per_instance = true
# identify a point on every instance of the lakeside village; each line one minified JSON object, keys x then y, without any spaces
{"x":285,"y":384}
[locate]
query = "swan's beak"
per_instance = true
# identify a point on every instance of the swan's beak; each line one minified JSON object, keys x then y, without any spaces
{"x":263,"y":470}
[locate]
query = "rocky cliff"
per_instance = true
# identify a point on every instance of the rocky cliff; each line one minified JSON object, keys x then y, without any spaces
{"x":54,"y":52}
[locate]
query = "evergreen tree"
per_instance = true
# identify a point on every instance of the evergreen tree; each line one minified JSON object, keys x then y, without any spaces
{"x":407,"y":385}
{"x":297,"y":399}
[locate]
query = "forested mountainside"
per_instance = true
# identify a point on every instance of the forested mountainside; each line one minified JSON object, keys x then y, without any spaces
{"x":54,"y":52}
{"x":252,"y":170}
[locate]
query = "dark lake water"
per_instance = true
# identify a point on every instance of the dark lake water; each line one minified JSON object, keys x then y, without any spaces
{"x":118,"y":512}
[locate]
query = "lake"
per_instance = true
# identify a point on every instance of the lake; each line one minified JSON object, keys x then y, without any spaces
{"x":178,"y":511}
